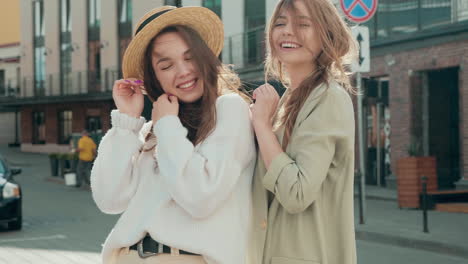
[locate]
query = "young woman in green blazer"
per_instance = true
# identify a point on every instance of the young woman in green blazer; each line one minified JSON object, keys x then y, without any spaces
{"x":303,"y":184}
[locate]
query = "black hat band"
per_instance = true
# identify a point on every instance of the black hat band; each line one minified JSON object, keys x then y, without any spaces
{"x":151,"y":18}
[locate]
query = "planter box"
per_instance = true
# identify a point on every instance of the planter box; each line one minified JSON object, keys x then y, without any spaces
{"x":409,"y":173}
{"x":53,"y":166}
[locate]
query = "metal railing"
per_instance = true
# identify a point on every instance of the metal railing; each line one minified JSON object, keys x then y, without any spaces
{"x":79,"y":82}
{"x":10,"y":88}
{"x":397,"y":17}
{"x":246,"y":49}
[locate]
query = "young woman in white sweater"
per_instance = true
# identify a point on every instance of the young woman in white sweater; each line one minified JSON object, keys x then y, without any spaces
{"x":181,"y":181}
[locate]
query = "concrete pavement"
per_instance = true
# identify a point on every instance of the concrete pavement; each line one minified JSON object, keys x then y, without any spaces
{"x":386,"y":223}
{"x":62,"y":225}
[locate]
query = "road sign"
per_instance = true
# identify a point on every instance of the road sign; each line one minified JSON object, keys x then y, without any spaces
{"x":362,"y":63}
{"x":359,"y":11}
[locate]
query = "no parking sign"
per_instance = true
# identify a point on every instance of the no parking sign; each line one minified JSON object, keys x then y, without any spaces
{"x":359,"y":11}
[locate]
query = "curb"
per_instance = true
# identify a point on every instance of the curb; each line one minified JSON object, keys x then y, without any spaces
{"x":432,"y":246}
{"x":379,"y":198}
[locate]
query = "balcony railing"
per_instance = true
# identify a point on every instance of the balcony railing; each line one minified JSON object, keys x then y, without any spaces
{"x":10,"y":88}
{"x":245,"y":50}
{"x":80,"y":82}
{"x":398,"y":17}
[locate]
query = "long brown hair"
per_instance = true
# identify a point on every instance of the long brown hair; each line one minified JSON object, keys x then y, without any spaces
{"x":198,"y":117}
{"x":337,"y":49}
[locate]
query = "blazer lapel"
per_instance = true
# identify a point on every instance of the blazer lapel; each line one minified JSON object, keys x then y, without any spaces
{"x":312,"y":101}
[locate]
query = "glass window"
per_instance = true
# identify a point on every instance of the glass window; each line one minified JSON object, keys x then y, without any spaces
{"x":253,"y":36}
{"x":125,"y":18}
{"x":65,"y":17}
{"x":2,"y":83}
{"x":39,"y":131}
{"x":65,"y":46}
{"x":435,"y":13}
{"x":94,"y":13}
{"x":214,"y":5}
{"x":170,"y":2}
{"x":396,"y":17}
{"x":39,"y":71}
{"x":93,"y":124}
{"x":125,"y":11}
{"x":65,"y":68}
{"x":39,"y":50}
{"x":461,"y":12}
{"x":65,"y":120}
{"x":38,"y":18}
{"x":254,"y":14}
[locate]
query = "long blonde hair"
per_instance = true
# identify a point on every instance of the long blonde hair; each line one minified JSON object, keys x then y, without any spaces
{"x":337,"y":49}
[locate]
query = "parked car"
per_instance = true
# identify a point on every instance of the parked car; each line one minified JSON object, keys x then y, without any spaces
{"x":10,"y":197}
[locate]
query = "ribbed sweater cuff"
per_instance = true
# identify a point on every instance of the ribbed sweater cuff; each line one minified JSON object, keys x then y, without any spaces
{"x":125,"y":121}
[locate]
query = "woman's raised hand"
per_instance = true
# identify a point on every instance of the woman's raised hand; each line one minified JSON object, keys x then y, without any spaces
{"x":266,"y":102}
{"x":128,"y":96}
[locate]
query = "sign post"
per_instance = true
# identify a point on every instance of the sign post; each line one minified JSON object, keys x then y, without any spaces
{"x":360,"y":11}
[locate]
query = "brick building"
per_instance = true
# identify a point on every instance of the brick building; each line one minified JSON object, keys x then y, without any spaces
{"x":419,"y":63}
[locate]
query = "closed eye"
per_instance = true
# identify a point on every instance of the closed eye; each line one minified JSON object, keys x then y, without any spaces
{"x":166,"y":67}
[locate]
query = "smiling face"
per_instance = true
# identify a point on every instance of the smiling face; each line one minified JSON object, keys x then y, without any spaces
{"x":293,"y":39}
{"x":175,"y":69}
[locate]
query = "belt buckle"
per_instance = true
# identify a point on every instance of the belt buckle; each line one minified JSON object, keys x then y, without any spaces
{"x":141,"y":251}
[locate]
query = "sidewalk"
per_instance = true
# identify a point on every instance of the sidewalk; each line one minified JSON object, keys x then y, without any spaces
{"x":386,"y":223}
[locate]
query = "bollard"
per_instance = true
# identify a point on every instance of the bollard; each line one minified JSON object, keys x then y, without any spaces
{"x":361,"y":206}
{"x":424,"y":203}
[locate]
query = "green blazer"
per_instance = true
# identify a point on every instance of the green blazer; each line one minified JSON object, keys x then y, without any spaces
{"x":303,"y":205}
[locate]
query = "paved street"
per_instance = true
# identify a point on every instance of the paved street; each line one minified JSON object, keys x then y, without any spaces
{"x":62,"y":225}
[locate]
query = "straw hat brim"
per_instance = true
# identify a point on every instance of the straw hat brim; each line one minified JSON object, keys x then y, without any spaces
{"x":204,"y":21}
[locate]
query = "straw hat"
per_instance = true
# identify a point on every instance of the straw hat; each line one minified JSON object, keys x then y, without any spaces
{"x":206,"y":23}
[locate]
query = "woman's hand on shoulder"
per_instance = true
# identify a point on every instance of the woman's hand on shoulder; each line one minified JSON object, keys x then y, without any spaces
{"x":128,"y":97}
{"x":264,"y":108}
{"x":164,"y":106}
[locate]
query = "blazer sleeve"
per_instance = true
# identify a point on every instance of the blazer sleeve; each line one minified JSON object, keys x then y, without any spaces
{"x":113,"y":181}
{"x":201,"y":179}
{"x":296,"y":181}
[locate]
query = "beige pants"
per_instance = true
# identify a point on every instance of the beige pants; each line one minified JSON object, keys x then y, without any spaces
{"x":131,"y":257}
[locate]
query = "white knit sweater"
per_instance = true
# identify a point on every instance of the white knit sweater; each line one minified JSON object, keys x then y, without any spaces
{"x":193,"y":198}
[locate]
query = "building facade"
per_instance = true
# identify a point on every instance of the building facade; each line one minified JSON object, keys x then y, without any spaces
{"x":9,"y":71}
{"x":71,"y":53}
{"x":419,"y":79}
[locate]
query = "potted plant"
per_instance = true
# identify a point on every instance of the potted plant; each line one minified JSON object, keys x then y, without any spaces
{"x":72,"y":158}
{"x":410,"y":170}
{"x":53,"y":157}
{"x":62,"y":162}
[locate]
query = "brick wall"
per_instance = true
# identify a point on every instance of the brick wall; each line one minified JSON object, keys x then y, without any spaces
{"x":79,"y":110}
{"x":453,"y":54}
